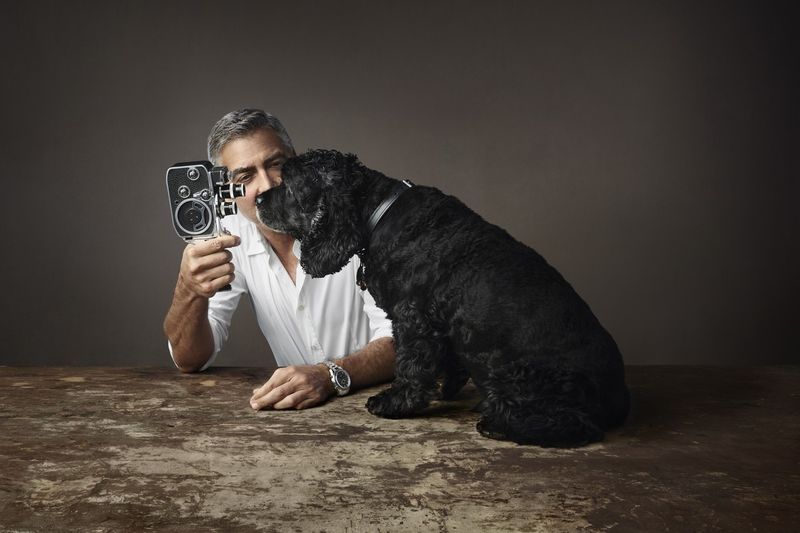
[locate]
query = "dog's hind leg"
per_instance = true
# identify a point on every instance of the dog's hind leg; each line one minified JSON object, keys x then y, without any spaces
{"x":549,"y":427}
{"x":540,"y":405}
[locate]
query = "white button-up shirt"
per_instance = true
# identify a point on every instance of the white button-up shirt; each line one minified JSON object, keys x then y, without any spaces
{"x":304,"y":322}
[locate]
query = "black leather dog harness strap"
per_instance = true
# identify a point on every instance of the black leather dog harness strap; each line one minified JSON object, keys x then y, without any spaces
{"x":377,"y":215}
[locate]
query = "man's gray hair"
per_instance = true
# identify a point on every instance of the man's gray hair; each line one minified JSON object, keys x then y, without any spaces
{"x":240,"y":123}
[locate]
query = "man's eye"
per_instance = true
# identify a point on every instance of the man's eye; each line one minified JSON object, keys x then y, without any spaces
{"x":241,"y":179}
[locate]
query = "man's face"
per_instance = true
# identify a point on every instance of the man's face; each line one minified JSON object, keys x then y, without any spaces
{"x":255,"y":161}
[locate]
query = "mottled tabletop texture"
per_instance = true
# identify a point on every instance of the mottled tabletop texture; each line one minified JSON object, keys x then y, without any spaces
{"x":150,"y":449}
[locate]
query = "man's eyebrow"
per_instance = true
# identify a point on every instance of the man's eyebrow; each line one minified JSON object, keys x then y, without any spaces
{"x":242,"y":170}
{"x":267,"y":161}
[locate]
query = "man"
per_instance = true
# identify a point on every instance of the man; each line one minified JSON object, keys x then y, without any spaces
{"x":306,"y":321}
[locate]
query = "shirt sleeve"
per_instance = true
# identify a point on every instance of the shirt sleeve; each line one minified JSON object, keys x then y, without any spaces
{"x":379,"y":323}
{"x":221,"y":307}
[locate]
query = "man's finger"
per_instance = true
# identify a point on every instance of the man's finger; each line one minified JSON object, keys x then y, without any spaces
{"x":217,"y":244}
{"x":206,"y":262}
{"x":277,"y":378}
{"x":263,"y":390}
{"x":310,"y":402}
{"x":220,"y":282}
{"x":275,"y":395}
{"x":219,"y":271}
{"x":292,"y":400}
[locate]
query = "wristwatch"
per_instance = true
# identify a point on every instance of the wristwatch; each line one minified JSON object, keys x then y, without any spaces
{"x":339,"y":377}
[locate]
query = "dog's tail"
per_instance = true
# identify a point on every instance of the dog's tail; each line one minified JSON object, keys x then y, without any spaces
{"x":533,"y":404}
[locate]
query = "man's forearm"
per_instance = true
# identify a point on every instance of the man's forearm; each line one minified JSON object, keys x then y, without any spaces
{"x":187,"y":328}
{"x":371,"y":365}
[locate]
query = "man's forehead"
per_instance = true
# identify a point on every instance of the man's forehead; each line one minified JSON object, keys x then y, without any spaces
{"x":252,"y":149}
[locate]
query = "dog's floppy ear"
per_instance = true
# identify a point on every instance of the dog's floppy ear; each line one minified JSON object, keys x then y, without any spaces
{"x":338,"y":234}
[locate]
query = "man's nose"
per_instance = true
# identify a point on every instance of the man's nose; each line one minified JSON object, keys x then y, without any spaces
{"x":263,"y":183}
{"x":269,"y":180}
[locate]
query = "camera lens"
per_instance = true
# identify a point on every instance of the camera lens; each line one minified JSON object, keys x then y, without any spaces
{"x":193,"y":217}
{"x":193,"y":174}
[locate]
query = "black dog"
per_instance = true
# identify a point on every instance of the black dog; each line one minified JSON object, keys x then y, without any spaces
{"x":465,"y":299}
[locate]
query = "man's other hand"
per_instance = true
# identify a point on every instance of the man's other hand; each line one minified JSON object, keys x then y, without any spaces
{"x":206,"y":266}
{"x":294,"y":387}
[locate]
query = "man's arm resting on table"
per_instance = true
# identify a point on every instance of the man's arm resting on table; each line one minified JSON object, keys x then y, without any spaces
{"x":302,"y":386}
{"x":188,"y":330}
{"x":371,"y":365}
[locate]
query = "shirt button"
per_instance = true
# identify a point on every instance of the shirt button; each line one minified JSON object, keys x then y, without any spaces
{"x":301,"y":307}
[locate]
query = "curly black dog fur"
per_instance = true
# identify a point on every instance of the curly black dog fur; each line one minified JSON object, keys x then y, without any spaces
{"x":465,"y":299}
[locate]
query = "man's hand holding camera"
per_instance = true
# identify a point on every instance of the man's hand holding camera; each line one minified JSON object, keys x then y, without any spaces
{"x":206,"y":266}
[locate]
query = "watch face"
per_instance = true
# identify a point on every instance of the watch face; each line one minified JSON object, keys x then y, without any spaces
{"x":342,"y":379}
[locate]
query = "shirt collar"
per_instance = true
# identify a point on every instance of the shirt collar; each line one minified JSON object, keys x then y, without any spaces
{"x":254,"y":239}
{"x":257,"y":244}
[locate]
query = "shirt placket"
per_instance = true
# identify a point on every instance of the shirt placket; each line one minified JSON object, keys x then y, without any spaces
{"x":304,"y":316}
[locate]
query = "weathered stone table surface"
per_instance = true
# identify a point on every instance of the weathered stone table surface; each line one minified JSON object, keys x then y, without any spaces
{"x":143,"y":449}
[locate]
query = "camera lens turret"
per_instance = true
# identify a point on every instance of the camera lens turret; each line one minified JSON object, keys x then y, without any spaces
{"x":226,"y":208}
{"x":229,"y":191}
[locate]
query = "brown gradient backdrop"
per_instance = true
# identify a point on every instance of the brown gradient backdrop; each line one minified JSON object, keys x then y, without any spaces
{"x":647,"y":149}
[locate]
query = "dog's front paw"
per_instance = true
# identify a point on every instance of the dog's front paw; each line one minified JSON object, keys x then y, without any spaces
{"x":390,"y":403}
